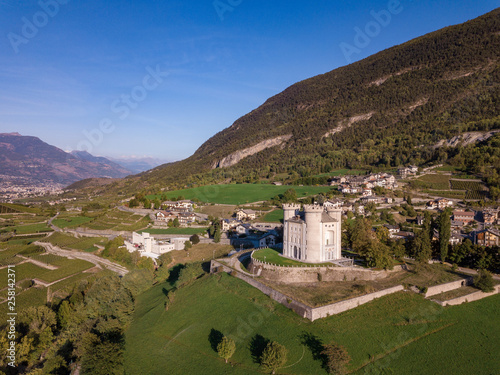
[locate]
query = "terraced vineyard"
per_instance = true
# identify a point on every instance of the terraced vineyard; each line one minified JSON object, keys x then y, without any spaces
{"x":119,"y":221}
{"x":82,"y":243}
{"x":474,"y":190}
{"x":467,"y":185}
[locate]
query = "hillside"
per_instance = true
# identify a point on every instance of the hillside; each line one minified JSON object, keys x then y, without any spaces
{"x":35,"y":161}
{"x":387,"y":110}
{"x":405,"y":333}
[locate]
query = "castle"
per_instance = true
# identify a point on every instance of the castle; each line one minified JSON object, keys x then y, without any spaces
{"x":313,"y":235}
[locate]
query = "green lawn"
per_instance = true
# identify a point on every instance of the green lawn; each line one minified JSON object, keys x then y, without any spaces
{"x":241,"y":193}
{"x":29,"y":228}
{"x":401,"y":333}
{"x":71,"y":222}
{"x":275,"y":216}
{"x":274,"y":257}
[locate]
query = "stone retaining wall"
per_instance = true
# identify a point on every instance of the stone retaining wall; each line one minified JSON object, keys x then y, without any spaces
{"x":433,"y":290}
{"x":339,"y":307}
{"x":468,"y":298}
{"x":311,"y":274}
{"x":300,"y":308}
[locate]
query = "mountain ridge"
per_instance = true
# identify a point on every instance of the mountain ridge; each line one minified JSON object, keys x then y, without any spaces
{"x":30,"y":158}
{"x":430,"y":88}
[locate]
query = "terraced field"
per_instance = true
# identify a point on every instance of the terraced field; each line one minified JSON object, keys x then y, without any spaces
{"x":119,"y":221}
{"x":69,"y":242}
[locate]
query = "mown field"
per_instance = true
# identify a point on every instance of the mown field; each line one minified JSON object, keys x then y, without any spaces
{"x":274,"y":257}
{"x":71,"y":221}
{"x":237,"y":194}
{"x":398,"y":334}
{"x":275,"y":216}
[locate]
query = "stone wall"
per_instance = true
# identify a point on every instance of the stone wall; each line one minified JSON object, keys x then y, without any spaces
{"x":468,"y":298}
{"x":300,"y":308}
{"x":433,"y":290}
{"x":339,"y":307}
{"x":311,"y":274}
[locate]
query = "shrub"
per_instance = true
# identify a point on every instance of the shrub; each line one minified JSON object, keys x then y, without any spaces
{"x":484,"y":281}
{"x":336,"y":358}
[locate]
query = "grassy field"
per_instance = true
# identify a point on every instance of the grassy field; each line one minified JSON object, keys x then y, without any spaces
{"x":275,"y":216}
{"x":401,"y":334}
{"x":184,"y":231}
{"x":83,"y":243}
{"x":36,"y":227}
{"x":119,"y":221}
{"x":274,"y":257}
{"x":432,"y":181}
{"x":221,"y":211}
{"x":236,"y":194}
{"x":71,"y":221}
{"x":201,"y":252}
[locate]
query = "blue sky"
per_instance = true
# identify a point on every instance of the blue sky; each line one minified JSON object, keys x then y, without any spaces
{"x":158,"y":78}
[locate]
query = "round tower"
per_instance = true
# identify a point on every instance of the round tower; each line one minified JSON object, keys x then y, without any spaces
{"x":313,"y":215}
{"x":336,"y":214}
{"x":290,"y":210}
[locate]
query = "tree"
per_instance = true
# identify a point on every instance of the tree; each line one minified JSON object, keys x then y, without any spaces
{"x":176,"y":223}
{"x":361,"y":236}
{"x":484,"y":281}
{"x":383,"y":234}
{"x":226,"y":348}
{"x":133,"y":203}
{"x":336,"y":358}
{"x":217,"y":235}
{"x":398,"y":248}
{"x":408,"y":199}
{"x":64,"y":314}
{"x":195,"y":239}
{"x":187,"y":245}
{"x":273,"y":357}
{"x":444,"y":234}
{"x":189,"y":273}
{"x":138,"y":281}
{"x":421,"y":244}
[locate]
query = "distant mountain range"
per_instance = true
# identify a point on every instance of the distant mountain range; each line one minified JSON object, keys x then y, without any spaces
{"x":137,"y":165}
{"x":35,"y":161}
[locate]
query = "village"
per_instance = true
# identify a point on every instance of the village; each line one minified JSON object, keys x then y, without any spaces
{"x":372,"y":196}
